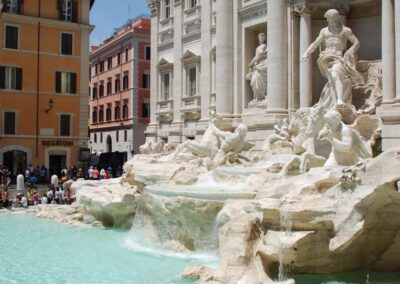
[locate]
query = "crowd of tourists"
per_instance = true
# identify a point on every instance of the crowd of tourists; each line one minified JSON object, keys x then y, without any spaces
{"x":53,"y":195}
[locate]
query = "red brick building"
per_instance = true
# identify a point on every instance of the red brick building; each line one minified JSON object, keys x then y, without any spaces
{"x":119,"y":86}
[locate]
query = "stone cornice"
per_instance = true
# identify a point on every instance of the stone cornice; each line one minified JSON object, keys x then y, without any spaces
{"x":154,"y":6}
{"x":46,"y":22}
{"x":251,"y":11}
{"x":304,"y":6}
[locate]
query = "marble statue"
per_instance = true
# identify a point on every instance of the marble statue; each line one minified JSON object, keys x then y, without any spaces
{"x":152,"y":148}
{"x":206,"y":148}
{"x":231,"y":143}
{"x":336,"y":63}
{"x":348,"y":145}
{"x":258,"y":71}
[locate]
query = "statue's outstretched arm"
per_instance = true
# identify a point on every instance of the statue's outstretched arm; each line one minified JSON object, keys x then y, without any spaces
{"x":319,"y":40}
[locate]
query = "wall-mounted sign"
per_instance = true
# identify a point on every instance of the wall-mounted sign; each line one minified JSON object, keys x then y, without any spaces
{"x":58,"y":143}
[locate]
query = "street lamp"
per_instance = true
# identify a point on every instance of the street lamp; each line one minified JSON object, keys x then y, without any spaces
{"x":51,"y":104}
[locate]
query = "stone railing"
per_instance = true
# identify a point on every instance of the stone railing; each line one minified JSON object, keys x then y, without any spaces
{"x":165,"y":110}
{"x":191,"y":107}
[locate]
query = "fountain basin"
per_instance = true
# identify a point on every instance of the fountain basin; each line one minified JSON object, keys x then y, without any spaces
{"x":197,"y":192}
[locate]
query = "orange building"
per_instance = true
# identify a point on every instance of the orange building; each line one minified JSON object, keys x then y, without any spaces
{"x":44,"y":59}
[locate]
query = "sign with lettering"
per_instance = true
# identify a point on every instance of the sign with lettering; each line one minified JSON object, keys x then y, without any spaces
{"x":57,"y":143}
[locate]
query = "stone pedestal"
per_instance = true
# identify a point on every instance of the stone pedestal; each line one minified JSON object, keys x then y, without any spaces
{"x":20,"y":182}
{"x":54,"y":180}
{"x":390,"y":115}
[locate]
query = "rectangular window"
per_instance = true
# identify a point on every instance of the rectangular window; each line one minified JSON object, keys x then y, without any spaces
{"x":109,"y":88}
{"x":148,"y":53}
{"x":191,"y":3}
{"x":119,"y":58}
{"x":11,"y":37}
{"x":66,"y":82}
{"x":96,"y":69}
{"x":117,"y":114}
{"x":65,"y":125}
{"x":125,"y":135}
{"x":94,"y":92}
{"x":109,"y":63}
{"x":94,"y":115}
{"x":101,"y":66}
{"x":101,"y":114}
{"x":167,"y":9}
{"x":108,"y":112}
{"x":12,"y":6}
{"x":165,"y":85}
{"x":101,"y":137}
{"x":10,"y":78}
{"x":101,"y":89}
{"x":192,"y":81}
{"x":66,"y":43}
{"x":146,"y":81}
{"x":95,"y":138}
{"x":125,"y":82}
{"x":68,"y":10}
{"x":126,"y":55}
{"x":145,"y":109}
{"x":9,"y":123}
{"x":117,"y":136}
{"x":125,"y":113}
{"x":117,"y":86}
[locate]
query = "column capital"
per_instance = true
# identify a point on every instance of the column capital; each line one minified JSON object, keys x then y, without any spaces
{"x":154,"y":6}
{"x":304,"y":6}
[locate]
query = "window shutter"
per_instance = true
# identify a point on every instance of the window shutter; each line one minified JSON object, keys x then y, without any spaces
{"x":60,"y":9}
{"x":4,"y":5}
{"x":74,"y":11}
{"x":2,"y":77}
{"x":19,"y":79}
{"x":9,"y":123}
{"x":73,"y":83}
{"x":19,"y":4}
{"x":58,"y":82}
{"x":66,"y":44}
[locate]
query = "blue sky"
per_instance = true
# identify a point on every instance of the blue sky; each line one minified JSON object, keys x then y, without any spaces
{"x":109,"y":14}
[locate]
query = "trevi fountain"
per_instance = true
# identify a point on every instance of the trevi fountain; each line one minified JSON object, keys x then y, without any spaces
{"x":319,"y":198}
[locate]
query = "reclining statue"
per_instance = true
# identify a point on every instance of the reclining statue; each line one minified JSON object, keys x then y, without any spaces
{"x":206,"y":148}
{"x":232,"y":143}
{"x":350,"y":143}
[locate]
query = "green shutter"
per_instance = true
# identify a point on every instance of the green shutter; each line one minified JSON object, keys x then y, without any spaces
{"x":58,"y":82}
{"x":73,"y":83}
{"x":19,"y":79}
{"x":2,"y":77}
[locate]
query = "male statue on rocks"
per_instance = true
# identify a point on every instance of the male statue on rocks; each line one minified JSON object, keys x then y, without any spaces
{"x":336,"y":63}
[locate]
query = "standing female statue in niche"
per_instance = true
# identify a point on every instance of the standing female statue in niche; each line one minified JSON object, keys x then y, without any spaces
{"x":258,"y":71}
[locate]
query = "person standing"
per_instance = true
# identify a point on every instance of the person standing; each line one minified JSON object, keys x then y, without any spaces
{"x":95,"y":173}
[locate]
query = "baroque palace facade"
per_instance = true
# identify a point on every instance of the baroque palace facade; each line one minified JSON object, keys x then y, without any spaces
{"x":44,"y":59}
{"x":202,"y":50}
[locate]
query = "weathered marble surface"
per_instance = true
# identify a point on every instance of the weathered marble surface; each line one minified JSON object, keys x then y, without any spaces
{"x":332,"y":229}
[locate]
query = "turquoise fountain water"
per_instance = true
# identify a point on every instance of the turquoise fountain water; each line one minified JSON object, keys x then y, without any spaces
{"x":40,"y":251}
